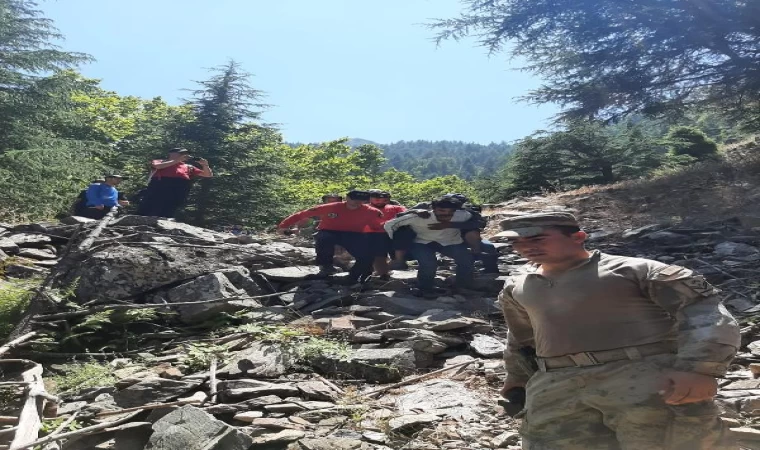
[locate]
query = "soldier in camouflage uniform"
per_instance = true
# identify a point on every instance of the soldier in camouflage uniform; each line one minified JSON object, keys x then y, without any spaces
{"x":628,"y":349}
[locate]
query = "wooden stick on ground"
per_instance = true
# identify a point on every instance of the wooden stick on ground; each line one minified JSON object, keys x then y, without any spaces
{"x":81,"y":432}
{"x":65,"y":423}
{"x":7,"y":347}
{"x":418,"y":378}
{"x":87,"y":243}
{"x":30,"y":419}
{"x":212,"y":380}
{"x":329,"y":383}
{"x":146,"y":407}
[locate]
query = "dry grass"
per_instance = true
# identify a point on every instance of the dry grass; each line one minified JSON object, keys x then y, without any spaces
{"x":702,"y":193}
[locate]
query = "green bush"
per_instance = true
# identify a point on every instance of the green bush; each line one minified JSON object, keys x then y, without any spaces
{"x":82,"y":376}
{"x":690,"y":141}
{"x":14,"y":298}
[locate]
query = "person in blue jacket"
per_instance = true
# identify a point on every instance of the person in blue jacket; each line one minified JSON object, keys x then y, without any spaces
{"x":101,"y":197}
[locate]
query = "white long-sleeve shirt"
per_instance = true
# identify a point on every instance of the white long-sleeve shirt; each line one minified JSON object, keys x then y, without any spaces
{"x":447,"y":236}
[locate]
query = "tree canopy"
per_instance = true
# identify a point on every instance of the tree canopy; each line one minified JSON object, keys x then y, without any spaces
{"x":609,"y":58}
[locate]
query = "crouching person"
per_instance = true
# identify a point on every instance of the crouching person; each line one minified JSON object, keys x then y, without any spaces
{"x":431,"y":239}
{"x":345,"y":224}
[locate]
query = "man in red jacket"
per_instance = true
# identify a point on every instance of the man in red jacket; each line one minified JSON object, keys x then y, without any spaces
{"x":346,"y":224}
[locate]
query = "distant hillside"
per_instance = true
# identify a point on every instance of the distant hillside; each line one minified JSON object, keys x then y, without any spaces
{"x":428,"y":159}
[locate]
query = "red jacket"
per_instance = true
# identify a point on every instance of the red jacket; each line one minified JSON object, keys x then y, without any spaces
{"x":389,"y":213}
{"x":337,"y":217}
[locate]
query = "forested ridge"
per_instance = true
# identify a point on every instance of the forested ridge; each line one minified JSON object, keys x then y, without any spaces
{"x":648,"y":97}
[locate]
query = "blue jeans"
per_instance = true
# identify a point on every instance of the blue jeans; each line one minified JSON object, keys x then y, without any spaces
{"x":489,"y":256}
{"x":425,"y":254}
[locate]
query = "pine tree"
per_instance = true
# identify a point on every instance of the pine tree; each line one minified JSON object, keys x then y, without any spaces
{"x":243,"y":152}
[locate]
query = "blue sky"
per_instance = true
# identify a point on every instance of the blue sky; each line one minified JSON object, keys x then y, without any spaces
{"x":331,"y":68}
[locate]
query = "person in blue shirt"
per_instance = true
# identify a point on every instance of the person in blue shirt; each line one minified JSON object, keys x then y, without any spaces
{"x":101,"y":197}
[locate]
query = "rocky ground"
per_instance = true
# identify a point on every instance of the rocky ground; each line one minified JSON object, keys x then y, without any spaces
{"x":161,"y":335}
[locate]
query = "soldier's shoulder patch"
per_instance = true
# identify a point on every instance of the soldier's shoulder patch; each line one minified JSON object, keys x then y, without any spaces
{"x":671,"y":270}
{"x":698,"y":284}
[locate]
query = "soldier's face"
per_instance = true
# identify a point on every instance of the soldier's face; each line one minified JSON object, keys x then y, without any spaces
{"x":551,"y":246}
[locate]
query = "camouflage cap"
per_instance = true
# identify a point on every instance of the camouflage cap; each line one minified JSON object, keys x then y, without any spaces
{"x":527,"y":225}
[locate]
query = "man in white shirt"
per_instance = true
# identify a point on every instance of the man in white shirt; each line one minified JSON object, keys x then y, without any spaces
{"x":433,"y":236}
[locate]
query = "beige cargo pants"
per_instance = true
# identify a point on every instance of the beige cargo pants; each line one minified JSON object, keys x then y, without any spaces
{"x":616,"y":406}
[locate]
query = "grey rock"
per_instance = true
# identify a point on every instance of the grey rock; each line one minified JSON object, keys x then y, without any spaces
{"x":280,"y":390}
{"x":225,"y":409}
{"x":259,"y":360}
{"x":8,"y":246}
{"x":331,"y":443}
{"x":403,"y":304}
{"x":487,"y":346}
{"x":242,"y":383}
{"x":442,"y":398}
{"x":207,"y":287}
{"x":248,"y":416}
{"x":317,"y":390}
{"x":294,"y":273}
{"x":505,"y":439}
{"x":374,"y":365}
{"x":189,"y":428}
{"x":30,"y":240}
{"x":136,"y":221}
{"x":77,"y":220}
{"x":285,"y":408}
{"x":24,"y":271}
{"x":260,"y":402}
{"x":728,"y":249}
{"x":241,"y":279}
{"x":279,"y":437}
{"x":152,"y":390}
{"x":375,"y":437}
{"x":135,"y":437}
{"x":37,"y":253}
{"x":438,"y":320}
{"x":182,"y":229}
{"x":667,"y":237}
{"x":636,"y":232}
{"x":411,"y":334}
{"x":366,"y":337}
{"x":135,"y":270}
{"x":411,"y":422}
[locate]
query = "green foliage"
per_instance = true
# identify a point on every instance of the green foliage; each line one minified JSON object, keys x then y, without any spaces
{"x":315,"y":347}
{"x":50,"y":425}
{"x":14,"y":298}
{"x":690,"y":141}
{"x":315,"y":170}
{"x":198,"y":356}
{"x":582,"y":154}
{"x":609,"y":58}
{"x":83,"y":375}
{"x":430,"y":159}
{"x":245,"y":154}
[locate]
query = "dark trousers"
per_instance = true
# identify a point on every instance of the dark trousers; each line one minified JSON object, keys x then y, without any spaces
{"x":427,"y":261}
{"x":403,"y":238}
{"x":94,"y":213}
{"x":164,"y":197}
{"x":356,"y":244}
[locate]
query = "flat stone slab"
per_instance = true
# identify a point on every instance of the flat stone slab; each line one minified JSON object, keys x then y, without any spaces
{"x":30,"y":240}
{"x":152,"y":390}
{"x":411,"y":422}
{"x":376,"y":365}
{"x":442,"y":398}
{"x":294,"y":273}
{"x":260,"y":360}
{"x":439,"y":320}
{"x":37,"y":253}
{"x":488,"y":346}
{"x":190,"y":428}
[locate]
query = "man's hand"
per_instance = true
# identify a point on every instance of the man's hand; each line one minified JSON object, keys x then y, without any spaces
{"x":203,"y":162}
{"x":688,"y":387}
{"x":509,"y":385}
{"x":421,"y":213}
{"x":99,"y":206}
{"x":123,"y":202}
{"x":439,"y":226}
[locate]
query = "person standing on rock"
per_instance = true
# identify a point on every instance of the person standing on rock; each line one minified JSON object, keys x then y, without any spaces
{"x":345,"y":224}
{"x":628,"y":349}
{"x":170,"y":183}
{"x":431,"y":239}
{"x":101,"y":197}
{"x":380,"y":242}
